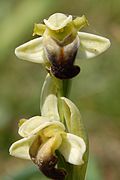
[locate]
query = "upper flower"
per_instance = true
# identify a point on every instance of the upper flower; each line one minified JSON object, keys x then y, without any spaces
{"x":59,"y":43}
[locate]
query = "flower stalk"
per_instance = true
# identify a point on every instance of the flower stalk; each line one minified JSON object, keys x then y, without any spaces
{"x":57,"y":141}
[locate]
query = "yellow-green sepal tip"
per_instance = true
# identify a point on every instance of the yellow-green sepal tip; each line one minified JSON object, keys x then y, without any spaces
{"x":80,"y":22}
{"x":39,"y":29}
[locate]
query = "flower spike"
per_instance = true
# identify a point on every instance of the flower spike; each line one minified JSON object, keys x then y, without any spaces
{"x":57,"y":141}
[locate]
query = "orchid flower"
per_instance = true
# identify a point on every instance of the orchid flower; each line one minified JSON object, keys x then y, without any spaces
{"x":59,"y":43}
{"x":41,"y":138}
{"x":43,"y":135}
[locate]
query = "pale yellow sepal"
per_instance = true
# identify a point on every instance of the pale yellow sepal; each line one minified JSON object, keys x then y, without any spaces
{"x":49,"y":98}
{"x":91,"y":45}
{"x":73,"y":149}
{"x":35,"y":124}
{"x":57,"y":21}
{"x":21,"y":147}
{"x":32,"y":51}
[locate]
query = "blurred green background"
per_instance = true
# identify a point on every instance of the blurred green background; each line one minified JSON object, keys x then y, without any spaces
{"x":96,"y":90}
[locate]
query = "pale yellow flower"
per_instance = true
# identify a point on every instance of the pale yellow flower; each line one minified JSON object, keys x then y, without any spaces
{"x":52,"y":136}
{"x":59,"y":43}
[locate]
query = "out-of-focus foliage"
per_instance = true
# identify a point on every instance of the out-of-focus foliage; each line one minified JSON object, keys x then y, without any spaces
{"x":95,"y":90}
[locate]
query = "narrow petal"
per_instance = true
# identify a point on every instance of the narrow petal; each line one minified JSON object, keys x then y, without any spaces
{"x":31,"y":51}
{"x":21,"y":147}
{"x":49,"y":99}
{"x":36,"y":124}
{"x":73,"y":149}
{"x":92,"y":45}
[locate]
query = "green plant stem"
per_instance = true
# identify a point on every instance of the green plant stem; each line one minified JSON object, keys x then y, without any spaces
{"x":63,"y":91}
{"x":73,"y":172}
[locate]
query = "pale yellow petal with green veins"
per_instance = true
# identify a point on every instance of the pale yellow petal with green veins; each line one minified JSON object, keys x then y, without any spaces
{"x":21,"y":147}
{"x":36,"y":124}
{"x":32,"y":51}
{"x":73,"y":149}
{"x":91,"y":45}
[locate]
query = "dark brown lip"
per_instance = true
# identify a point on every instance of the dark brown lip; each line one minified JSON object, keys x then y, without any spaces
{"x":47,"y":167}
{"x":65,"y":72}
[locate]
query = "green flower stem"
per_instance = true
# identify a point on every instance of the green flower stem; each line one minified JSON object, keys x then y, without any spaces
{"x":66,"y":87}
{"x":73,"y":172}
{"x":61,"y":161}
{"x":60,"y":93}
{"x":69,"y":115}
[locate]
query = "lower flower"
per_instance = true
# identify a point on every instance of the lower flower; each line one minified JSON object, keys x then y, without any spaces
{"x":41,"y":138}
